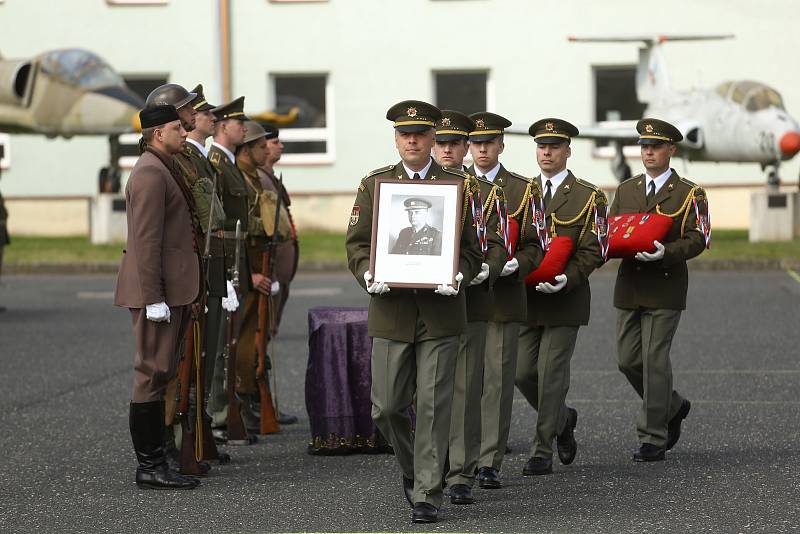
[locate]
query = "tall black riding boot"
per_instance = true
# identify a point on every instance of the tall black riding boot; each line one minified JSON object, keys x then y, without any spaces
{"x":146,"y":421}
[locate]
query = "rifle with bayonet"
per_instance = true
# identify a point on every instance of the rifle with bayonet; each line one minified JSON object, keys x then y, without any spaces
{"x":237,"y":434}
{"x":265,"y":332}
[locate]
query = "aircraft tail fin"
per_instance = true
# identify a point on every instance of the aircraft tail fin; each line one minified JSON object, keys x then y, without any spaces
{"x":652,"y":77}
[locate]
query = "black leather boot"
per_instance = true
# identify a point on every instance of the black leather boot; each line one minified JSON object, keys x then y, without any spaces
{"x":146,"y":421}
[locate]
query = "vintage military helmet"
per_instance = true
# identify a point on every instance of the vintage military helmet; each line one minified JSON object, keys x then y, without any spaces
{"x":169,"y":93}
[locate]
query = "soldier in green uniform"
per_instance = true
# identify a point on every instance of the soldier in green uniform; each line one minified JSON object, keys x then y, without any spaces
{"x":450,"y":148}
{"x":556,"y":311}
{"x":229,"y":133}
{"x":509,"y":305}
{"x":420,"y":237}
{"x":415,"y":331}
{"x":650,"y":292}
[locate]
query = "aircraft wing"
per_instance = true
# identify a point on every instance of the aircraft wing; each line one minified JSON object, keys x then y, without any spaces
{"x":625,"y":133}
{"x":649,"y":38}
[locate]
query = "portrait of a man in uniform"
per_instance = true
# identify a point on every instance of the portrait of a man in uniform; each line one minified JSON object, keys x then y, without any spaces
{"x":421,"y":237}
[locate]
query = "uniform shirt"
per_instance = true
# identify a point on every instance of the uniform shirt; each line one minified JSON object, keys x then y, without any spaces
{"x":227,"y":152}
{"x":422,"y":174}
{"x":660,"y":180}
{"x":491,"y":175}
{"x":202,"y":148}
{"x":555,"y":181}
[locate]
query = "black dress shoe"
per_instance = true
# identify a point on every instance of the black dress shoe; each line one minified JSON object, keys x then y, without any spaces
{"x":286,"y":419}
{"x":424,"y":513}
{"x":408,"y":490}
{"x":674,"y":426}
{"x":565,"y":442}
{"x":537,"y":466}
{"x":648,"y":453}
{"x":489,"y":478}
{"x":461,"y":494}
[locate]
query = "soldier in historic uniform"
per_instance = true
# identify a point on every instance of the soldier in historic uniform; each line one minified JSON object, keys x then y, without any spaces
{"x":158,"y":280}
{"x":509,"y":306}
{"x":415,"y":331}
{"x":650,"y":292}
{"x":450,"y":148}
{"x":556,"y":311}
{"x":420,"y":237}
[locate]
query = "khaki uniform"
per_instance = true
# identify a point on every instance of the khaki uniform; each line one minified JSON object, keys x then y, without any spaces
{"x":509,"y":310}
{"x":415,"y":346}
{"x":547,"y":340}
{"x":650,"y":296}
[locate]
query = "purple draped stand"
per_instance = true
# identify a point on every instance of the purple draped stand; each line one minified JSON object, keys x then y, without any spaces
{"x":338,"y":382}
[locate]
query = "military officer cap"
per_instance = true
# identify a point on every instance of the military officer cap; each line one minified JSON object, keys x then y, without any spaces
{"x":157,"y":115}
{"x":655,"y":132}
{"x":232,"y":110}
{"x":270,"y":129}
{"x":254,"y":131}
{"x":552,"y":131}
{"x":453,"y":126}
{"x":487,"y":126}
{"x":199,"y":102}
{"x":413,"y":116}
{"x":169,"y":93}
{"x":415,"y":203}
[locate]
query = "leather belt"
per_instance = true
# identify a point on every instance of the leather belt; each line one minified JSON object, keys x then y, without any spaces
{"x":230,"y":234}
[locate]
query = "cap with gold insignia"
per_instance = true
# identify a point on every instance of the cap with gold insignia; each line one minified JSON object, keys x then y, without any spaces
{"x":453,"y":126}
{"x":415,"y":203}
{"x":487,"y":126}
{"x":271,"y":129}
{"x":552,"y":131}
{"x":413,"y":116}
{"x":232,"y":110}
{"x":655,"y":132}
{"x":199,"y":102}
{"x":254,"y":131}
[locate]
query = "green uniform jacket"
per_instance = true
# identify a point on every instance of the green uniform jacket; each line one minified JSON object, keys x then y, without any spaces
{"x":662,"y":283}
{"x":509,"y":291}
{"x":480,"y":298}
{"x":257,"y":239}
{"x":199,"y":175}
{"x":394,"y":314}
{"x":574,"y":217}
{"x":233,"y":191}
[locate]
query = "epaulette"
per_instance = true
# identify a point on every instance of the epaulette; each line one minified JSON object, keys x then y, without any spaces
{"x":523,"y":178}
{"x":186,"y":149}
{"x":588,"y":185}
{"x":631,"y":180}
{"x":536,"y":189}
{"x":457,"y":172}
{"x":600,"y":199}
{"x":688,"y":182}
{"x":378,"y":171}
{"x":484,"y":180}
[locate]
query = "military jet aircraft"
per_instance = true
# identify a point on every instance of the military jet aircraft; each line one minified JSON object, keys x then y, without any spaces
{"x":737,"y":121}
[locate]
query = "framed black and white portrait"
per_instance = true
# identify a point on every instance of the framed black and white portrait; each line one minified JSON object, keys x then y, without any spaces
{"x":416,"y":230}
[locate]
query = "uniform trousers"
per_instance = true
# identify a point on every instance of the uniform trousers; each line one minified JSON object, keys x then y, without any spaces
{"x":465,"y":421}
{"x":644,"y":339}
{"x":543,"y":378}
{"x":422,"y":370}
{"x":156,"y":360}
{"x":497,"y":400}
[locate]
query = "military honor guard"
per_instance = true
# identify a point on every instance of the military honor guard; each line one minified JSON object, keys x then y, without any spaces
{"x":651,"y":287}
{"x":450,"y":149}
{"x":509,"y":304}
{"x":415,"y":331}
{"x":159,"y":280}
{"x":556,"y":309}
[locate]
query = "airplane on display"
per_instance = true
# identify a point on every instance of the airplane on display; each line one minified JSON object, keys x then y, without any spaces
{"x":737,"y":121}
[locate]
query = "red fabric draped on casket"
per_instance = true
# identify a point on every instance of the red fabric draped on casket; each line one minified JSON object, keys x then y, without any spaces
{"x":554,"y":262}
{"x":635,"y":232}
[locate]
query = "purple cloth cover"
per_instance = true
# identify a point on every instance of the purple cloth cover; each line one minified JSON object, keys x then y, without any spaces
{"x":338,"y":382}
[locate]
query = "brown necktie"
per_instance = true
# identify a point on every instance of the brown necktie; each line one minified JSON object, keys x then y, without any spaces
{"x":651,"y":192}
{"x":548,"y":193}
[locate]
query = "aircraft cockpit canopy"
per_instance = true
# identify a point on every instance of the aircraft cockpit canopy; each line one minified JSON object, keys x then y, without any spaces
{"x":753,"y":96}
{"x":80,"y":68}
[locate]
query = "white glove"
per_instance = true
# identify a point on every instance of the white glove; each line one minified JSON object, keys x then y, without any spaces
{"x":158,"y":312}
{"x":275,"y":288}
{"x":449,"y":291}
{"x":546,"y":287}
{"x":376,"y":288}
{"x":231,"y":302}
{"x":651,"y":256}
{"x":510,"y":267}
{"x":483,"y":275}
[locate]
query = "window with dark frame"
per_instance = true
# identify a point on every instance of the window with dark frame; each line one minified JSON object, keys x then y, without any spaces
{"x":462,"y":91}
{"x":615,"y":95}
{"x":308,"y":93}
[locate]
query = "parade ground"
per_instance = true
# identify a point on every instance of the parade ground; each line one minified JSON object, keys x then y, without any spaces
{"x":67,"y":464}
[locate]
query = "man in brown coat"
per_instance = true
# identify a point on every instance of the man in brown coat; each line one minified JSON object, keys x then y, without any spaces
{"x":158,"y":280}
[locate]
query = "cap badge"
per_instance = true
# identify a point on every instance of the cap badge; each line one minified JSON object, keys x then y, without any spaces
{"x":411,"y":112}
{"x":548,"y":126}
{"x":446,"y":122}
{"x":648,"y":128}
{"x":480,"y":124}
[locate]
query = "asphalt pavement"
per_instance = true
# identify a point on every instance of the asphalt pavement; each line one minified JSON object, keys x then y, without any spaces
{"x":67,"y":464}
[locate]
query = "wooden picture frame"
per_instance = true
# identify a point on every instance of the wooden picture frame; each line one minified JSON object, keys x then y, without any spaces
{"x":416,"y":232}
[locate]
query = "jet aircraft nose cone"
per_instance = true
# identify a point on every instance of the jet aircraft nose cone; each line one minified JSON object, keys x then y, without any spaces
{"x":790,"y":144}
